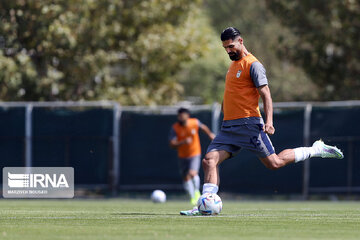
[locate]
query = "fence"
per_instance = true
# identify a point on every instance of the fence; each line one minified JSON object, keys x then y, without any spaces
{"x":83,"y":135}
{"x":126,"y":148}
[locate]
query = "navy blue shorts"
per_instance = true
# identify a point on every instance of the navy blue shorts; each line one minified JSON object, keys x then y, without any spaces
{"x":248,"y":136}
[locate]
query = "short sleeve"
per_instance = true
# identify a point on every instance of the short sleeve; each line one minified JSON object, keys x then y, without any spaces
{"x":172,"y":134}
{"x":199,"y":123}
{"x":258,"y":74}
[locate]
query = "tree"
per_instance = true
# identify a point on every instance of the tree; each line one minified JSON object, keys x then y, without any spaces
{"x":126,"y":50}
{"x":326,"y":43}
{"x":203,"y":79}
{"x":261,"y":32}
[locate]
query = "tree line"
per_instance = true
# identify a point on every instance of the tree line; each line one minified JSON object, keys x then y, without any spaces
{"x":148,"y":52}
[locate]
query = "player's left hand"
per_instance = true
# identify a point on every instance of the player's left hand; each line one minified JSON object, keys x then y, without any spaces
{"x":269,"y":129}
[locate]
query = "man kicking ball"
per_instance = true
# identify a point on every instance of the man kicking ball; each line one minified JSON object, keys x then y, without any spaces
{"x":243,"y":126}
{"x":184,"y":136}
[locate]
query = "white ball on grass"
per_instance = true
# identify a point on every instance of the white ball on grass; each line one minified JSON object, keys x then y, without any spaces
{"x":209,"y":204}
{"x":158,"y":196}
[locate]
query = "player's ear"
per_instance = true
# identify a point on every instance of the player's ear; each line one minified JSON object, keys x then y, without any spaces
{"x":240,"y":39}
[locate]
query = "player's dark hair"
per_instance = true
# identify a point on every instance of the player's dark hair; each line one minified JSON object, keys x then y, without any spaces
{"x":183,"y":110}
{"x":230,"y":33}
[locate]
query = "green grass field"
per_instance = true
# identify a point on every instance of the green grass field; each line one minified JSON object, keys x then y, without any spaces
{"x":136,"y":219}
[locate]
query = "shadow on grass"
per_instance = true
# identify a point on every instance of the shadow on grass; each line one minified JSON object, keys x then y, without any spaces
{"x":143,"y":214}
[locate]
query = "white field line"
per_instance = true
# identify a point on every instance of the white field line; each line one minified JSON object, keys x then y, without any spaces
{"x":295,"y":217}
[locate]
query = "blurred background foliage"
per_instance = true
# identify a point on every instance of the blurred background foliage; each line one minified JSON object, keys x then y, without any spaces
{"x":148,"y":52}
{"x":326,"y":43}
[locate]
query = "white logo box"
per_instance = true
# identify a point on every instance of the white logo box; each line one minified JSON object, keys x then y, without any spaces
{"x":38,"y":182}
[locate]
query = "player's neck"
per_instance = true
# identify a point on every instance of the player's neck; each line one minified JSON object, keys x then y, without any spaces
{"x":244,"y":53}
{"x":183,"y":124}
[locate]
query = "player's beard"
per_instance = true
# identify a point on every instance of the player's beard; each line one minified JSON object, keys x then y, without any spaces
{"x":182,"y":123}
{"x":234,"y":56}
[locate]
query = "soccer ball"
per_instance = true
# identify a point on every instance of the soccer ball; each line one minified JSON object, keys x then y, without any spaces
{"x":158,"y":196}
{"x":209,"y":204}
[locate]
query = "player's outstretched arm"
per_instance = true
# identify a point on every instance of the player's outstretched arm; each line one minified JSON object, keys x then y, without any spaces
{"x":208,"y":132}
{"x":265,"y":94}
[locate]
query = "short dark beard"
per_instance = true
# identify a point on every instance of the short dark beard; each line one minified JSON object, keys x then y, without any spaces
{"x":182,"y":123}
{"x":235,"y":56}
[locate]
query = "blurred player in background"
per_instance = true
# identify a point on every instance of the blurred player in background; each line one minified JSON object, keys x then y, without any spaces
{"x":242,"y":126}
{"x":184,"y":136}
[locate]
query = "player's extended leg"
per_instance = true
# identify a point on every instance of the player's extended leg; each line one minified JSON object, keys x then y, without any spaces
{"x":318,"y":149}
{"x":275,"y":161}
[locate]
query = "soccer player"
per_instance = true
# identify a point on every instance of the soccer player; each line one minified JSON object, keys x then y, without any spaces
{"x":243,"y":126}
{"x":184,"y":136}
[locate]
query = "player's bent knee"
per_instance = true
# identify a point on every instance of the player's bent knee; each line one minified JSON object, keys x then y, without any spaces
{"x":187,"y":177}
{"x":207,"y":163}
{"x":273,"y":166}
{"x":272,"y":163}
{"x":193,"y":173}
{"x":210,"y":161}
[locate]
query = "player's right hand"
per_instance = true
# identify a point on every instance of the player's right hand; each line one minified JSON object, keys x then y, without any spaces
{"x":269,"y":129}
{"x":188,"y":140}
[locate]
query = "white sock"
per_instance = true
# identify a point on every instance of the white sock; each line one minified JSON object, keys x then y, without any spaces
{"x":196,"y":182}
{"x":303,"y":153}
{"x":210,"y":188}
{"x":189,"y":188}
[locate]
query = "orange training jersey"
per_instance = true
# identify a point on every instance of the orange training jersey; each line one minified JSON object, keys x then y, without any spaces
{"x":241,"y":97}
{"x":191,"y":129}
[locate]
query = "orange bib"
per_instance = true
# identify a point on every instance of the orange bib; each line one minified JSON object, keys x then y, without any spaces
{"x":241,"y":97}
{"x":191,"y":129}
